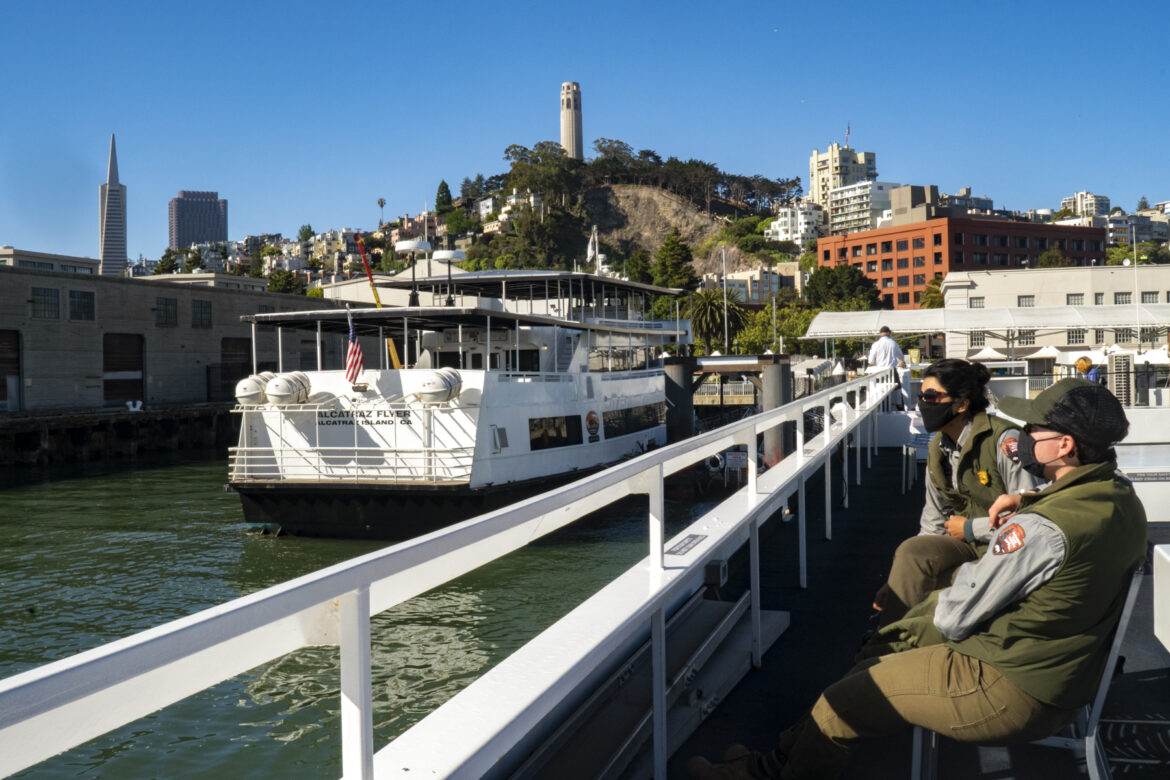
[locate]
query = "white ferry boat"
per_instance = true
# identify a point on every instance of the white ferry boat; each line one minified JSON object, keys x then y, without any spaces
{"x":505,"y":382}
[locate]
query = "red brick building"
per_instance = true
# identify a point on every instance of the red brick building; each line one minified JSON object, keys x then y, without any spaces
{"x":903,"y":258}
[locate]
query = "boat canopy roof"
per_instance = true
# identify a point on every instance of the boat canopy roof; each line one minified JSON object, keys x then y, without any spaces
{"x":520,"y":285}
{"x":852,"y":324}
{"x":395,"y":319}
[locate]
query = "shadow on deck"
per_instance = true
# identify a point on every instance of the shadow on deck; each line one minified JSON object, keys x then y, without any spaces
{"x":830,"y":617}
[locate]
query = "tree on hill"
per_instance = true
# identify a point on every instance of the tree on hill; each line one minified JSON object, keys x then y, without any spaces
{"x":841,"y":286}
{"x":194,"y":261}
{"x":285,"y":282}
{"x":1053,"y":258}
{"x":672,"y":263}
{"x":1143,"y":203}
{"x":443,"y":197}
{"x":381,"y":213}
{"x":167,"y":264}
{"x":638,"y":267}
{"x":305,"y":233}
{"x":545,"y":168}
{"x":1063,"y":214}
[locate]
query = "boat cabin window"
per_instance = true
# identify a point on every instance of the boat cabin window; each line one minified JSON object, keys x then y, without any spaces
{"x":547,"y":432}
{"x":639,"y":418}
{"x":529,"y":360}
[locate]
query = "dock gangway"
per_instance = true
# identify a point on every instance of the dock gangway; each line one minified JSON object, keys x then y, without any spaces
{"x":52,"y":708}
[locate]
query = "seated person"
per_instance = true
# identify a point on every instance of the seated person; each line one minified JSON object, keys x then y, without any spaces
{"x":1013,"y":649}
{"x":972,"y":460}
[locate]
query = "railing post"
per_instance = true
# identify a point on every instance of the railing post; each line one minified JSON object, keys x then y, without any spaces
{"x":845,"y":471}
{"x":752,"y":470}
{"x":754,"y":569}
{"x":800,"y":529}
{"x":658,"y":675}
{"x":357,"y":719}
{"x":657,"y":517}
{"x":800,"y":438}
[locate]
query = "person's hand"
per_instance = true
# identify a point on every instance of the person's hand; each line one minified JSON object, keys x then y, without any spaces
{"x":955,"y":527}
{"x":1002,"y":509}
{"x":879,"y":598}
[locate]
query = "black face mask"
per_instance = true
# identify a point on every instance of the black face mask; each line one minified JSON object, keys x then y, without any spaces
{"x":936,"y":416}
{"x":1028,"y":460}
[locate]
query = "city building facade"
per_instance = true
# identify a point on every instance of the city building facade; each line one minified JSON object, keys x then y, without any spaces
{"x":798,"y":223}
{"x":43,"y":261}
{"x":858,"y":206}
{"x":903,"y":259}
{"x":70,"y":341}
{"x":1086,"y":204}
{"x":837,"y":166}
{"x":756,"y":286}
{"x":1113,"y":285}
{"x":197,"y":216}
{"x":112,"y":208}
{"x":571,"y":133}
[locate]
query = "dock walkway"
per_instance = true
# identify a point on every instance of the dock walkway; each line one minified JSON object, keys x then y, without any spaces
{"x":830,"y":617}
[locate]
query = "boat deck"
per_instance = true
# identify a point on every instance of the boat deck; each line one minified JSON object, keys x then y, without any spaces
{"x":830,"y":617}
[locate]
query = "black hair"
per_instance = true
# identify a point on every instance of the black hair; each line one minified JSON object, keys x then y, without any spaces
{"x":963,"y":381}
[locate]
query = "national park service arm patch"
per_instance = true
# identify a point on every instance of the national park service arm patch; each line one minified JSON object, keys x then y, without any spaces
{"x":1010,"y":539}
{"x":1011,"y":448}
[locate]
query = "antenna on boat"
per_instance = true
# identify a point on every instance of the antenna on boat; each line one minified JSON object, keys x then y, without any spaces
{"x":450,"y":256}
{"x":414,"y":247}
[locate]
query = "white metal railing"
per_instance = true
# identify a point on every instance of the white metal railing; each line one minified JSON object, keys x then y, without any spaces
{"x":729,"y":388}
{"x":437,"y":447}
{"x":65,"y":703}
{"x":351,"y":464}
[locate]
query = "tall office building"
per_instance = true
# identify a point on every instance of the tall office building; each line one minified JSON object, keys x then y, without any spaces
{"x":197,"y":217}
{"x":838,"y":166}
{"x":571,"y":120}
{"x":112,"y":236}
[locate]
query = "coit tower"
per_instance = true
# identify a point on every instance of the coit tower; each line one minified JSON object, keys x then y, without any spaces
{"x":571,"y":120}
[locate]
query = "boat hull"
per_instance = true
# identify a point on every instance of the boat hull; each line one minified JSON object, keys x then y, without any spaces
{"x":392,"y":513}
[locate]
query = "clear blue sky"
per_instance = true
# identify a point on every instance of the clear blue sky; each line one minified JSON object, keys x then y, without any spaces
{"x":308,"y":112}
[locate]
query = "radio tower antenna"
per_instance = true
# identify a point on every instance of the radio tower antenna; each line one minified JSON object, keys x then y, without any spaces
{"x":846,"y":133}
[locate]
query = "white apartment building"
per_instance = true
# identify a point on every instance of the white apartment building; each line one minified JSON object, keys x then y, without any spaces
{"x":798,"y":223}
{"x":1112,"y":285}
{"x":1120,"y":228}
{"x":1086,"y":204}
{"x":758,"y":285}
{"x":859,"y":206}
{"x":837,"y":166}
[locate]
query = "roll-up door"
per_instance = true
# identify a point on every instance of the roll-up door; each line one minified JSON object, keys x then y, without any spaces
{"x":122,"y":367}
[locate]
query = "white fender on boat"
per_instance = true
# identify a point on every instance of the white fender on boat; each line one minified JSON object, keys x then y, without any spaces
{"x":440,"y":386}
{"x":291,"y":387}
{"x":250,"y":390}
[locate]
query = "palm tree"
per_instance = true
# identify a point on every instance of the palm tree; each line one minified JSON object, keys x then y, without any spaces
{"x":932,"y":294}
{"x":381,"y":214}
{"x":706,"y":313}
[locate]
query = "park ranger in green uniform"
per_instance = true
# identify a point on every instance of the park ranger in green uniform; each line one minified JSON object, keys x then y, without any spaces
{"x":1017,"y":644}
{"x":972,"y":460}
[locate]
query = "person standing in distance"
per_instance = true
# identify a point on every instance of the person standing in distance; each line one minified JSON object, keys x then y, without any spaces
{"x":885,"y":353}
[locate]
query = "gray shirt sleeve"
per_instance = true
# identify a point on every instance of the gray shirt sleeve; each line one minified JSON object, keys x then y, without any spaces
{"x":1025,"y":553}
{"x":934,"y":514}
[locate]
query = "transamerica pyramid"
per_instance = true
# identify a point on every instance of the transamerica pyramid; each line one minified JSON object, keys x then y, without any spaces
{"x":113,"y":219}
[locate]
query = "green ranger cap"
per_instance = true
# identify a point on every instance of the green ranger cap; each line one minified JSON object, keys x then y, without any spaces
{"x":1084,"y":410}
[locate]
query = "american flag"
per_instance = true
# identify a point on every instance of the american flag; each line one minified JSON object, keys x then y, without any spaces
{"x":353,"y":358}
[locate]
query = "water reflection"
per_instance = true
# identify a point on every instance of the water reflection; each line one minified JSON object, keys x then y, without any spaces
{"x":90,"y":560}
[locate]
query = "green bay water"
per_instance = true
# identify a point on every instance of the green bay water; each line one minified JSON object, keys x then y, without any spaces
{"x":92,"y":553}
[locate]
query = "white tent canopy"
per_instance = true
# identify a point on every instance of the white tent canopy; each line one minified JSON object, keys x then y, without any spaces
{"x":865,"y":324}
{"x":987,"y":353}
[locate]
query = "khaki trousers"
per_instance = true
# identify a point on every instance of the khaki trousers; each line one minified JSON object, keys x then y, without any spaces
{"x":934,"y":687}
{"x":922,"y":564}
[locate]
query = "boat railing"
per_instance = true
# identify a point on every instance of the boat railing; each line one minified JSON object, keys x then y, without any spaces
{"x":351,"y":464}
{"x":416,"y":444}
{"x":60,"y":705}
